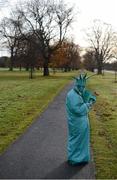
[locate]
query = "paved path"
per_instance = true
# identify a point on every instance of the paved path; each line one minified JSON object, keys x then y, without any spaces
{"x":40,"y":153}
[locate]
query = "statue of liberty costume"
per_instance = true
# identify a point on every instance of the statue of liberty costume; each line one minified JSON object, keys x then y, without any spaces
{"x":78,"y":103}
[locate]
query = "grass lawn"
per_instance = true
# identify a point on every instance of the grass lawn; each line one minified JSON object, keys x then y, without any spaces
{"x":103,"y":120}
{"x":23,"y":99}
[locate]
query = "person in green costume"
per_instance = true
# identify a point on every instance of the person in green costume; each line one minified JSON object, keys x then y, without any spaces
{"x":78,"y":104}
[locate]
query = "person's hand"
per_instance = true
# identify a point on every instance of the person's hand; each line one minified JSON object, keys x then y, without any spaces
{"x":96,"y":94}
{"x":89,"y":105}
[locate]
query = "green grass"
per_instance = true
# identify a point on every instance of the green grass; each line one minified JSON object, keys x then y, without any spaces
{"x":23,"y":99}
{"x":103,"y":120}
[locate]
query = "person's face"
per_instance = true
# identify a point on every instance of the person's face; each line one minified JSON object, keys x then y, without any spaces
{"x":81,"y":88}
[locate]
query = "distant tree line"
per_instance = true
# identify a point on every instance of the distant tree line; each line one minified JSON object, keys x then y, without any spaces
{"x":4,"y":61}
{"x":89,"y":63}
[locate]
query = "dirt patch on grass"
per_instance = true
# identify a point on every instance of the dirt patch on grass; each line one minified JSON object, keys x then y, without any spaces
{"x":104,"y":110}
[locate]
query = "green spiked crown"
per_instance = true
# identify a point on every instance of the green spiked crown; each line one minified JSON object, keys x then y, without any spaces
{"x":82,"y":78}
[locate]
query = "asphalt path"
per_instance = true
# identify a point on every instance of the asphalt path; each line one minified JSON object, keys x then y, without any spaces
{"x":40,"y":153}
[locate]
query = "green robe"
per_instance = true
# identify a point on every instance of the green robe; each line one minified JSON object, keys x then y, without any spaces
{"x":77,"y":107}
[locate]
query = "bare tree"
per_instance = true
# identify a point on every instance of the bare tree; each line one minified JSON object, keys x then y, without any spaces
{"x":49,"y":22}
{"x":9,"y":33}
{"x":28,"y":53}
{"x":64,"y":17}
{"x":89,"y":60}
{"x":73,"y":56}
{"x":101,"y":38}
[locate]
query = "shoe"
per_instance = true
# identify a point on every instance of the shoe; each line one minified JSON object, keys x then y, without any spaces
{"x":72,"y":163}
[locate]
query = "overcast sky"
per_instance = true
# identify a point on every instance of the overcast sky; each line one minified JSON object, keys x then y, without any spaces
{"x":88,"y":10}
{"x":105,"y":10}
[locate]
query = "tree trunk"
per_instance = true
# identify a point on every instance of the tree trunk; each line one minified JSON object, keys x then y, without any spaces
{"x":100,"y":67}
{"x":69,"y":69}
{"x":20,"y":67}
{"x":27,"y":68}
{"x":115,"y":76}
{"x":92,"y":69}
{"x":65,"y":69}
{"x":11,"y":61}
{"x":99,"y":70}
{"x":54,"y":70}
{"x":46,"y":71}
{"x":31,"y":73}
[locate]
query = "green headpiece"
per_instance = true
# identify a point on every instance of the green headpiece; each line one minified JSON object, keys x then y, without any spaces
{"x":82,"y":78}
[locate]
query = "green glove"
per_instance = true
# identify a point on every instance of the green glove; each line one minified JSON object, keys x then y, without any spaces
{"x":88,"y":97}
